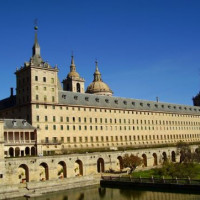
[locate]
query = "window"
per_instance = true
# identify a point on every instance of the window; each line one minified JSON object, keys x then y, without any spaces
{"x":46,"y":127}
{"x":61,"y":127}
{"x":36,"y":78}
{"x":45,"y":88}
{"x":38,"y":118}
{"x":46,"y":118}
{"x":53,"y":98}
{"x":68,"y":139}
{"x":37,"y":105}
{"x":36,"y":87}
{"x":61,"y":119}
{"x":67,"y":119}
{"x":37,"y":97}
{"x":44,"y":79}
{"x":52,"y":80}
{"x":54,"y":127}
{"x":54,"y":118}
{"x":45,"y":98}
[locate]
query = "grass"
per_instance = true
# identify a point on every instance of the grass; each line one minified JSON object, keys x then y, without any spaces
{"x":152,"y":172}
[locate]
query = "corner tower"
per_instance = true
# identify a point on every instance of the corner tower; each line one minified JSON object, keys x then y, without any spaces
{"x":37,"y":83}
{"x":74,"y":82}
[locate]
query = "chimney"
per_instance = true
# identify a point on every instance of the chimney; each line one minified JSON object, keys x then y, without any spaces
{"x":11,"y":92}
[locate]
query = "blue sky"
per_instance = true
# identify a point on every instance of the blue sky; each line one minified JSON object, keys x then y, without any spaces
{"x":145,"y":48}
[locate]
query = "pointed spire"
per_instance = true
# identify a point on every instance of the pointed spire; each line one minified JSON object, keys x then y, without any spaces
{"x":97,"y":74}
{"x":72,"y":59}
{"x":72,"y":66}
{"x":36,"y":46}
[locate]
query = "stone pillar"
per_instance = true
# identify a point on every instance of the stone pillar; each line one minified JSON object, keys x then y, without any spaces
{"x":14,"y":137}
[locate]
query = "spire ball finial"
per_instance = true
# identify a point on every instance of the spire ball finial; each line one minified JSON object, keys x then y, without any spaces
{"x":35,"y":28}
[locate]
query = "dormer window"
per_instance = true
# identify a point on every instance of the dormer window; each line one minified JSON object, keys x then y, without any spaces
{"x":24,"y":122}
{"x":116,"y":101}
{"x":162,"y":106}
{"x":107,"y":100}
{"x":156,"y":105}
{"x":97,"y":99}
{"x":174,"y":107}
{"x":169,"y":106}
{"x":141,"y":104}
{"x":125,"y":102}
{"x":87,"y":98}
{"x":180,"y":108}
{"x":133,"y":103}
{"x":14,"y":122}
{"x":148,"y":105}
{"x":76,"y":97}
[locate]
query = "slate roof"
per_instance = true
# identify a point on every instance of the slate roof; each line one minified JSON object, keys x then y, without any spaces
{"x":17,"y":124}
{"x":71,"y":98}
{"x":8,"y":102}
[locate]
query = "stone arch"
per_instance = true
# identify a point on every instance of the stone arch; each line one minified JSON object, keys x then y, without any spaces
{"x":23,"y":173}
{"x":78,"y":87}
{"x":100,"y":165}
{"x":173,"y":156}
{"x":155,"y":159}
{"x":44,"y":174}
{"x":78,"y":168}
{"x":120,"y":160}
{"x":33,"y":151}
{"x":17,"y":152}
{"x":27,"y":151}
{"x":11,"y":152}
{"x":62,"y":169}
{"x":164,"y":156}
{"x":144,"y":156}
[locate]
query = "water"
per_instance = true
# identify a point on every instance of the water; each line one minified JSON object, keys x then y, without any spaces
{"x":97,"y":193}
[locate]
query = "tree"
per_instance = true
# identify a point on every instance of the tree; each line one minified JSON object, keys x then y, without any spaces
{"x":185,"y":151}
{"x":131,"y":161}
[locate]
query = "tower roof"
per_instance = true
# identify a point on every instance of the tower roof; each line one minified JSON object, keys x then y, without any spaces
{"x":73,"y":73}
{"x":98,"y":86}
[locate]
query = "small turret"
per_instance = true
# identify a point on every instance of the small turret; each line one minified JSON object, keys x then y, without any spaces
{"x":73,"y":82}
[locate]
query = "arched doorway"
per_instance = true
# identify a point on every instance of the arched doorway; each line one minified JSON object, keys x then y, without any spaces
{"x":17,"y":152}
{"x":78,"y":87}
{"x":120,"y":162}
{"x":62,"y":169}
{"x":11,"y":152}
{"x":27,"y":151}
{"x":173,"y":156}
{"x":144,"y":160}
{"x":33,"y":151}
{"x":164,"y":157}
{"x":100,"y":165}
{"x":155,"y":159}
{"x":23,"y":173}
{"x":44,"y":172}
{"x":78,"y":168}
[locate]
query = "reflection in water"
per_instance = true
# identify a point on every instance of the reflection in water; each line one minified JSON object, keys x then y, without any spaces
{"x":102,"y":192}
{"x":97,"y":193}
{"x":129,"y":194}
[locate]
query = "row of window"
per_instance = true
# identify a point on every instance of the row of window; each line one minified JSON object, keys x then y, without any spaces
{"x":110,"y":128}
{"x":122,"y":138}
{"x":44,"y":79}
{"x":120,"y":121}
{"x":45,"y":98}
{"x":44,"y":88}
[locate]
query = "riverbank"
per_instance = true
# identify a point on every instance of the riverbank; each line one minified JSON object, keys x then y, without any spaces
{"x":183,"y":185}
{"x":34,"y":189}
